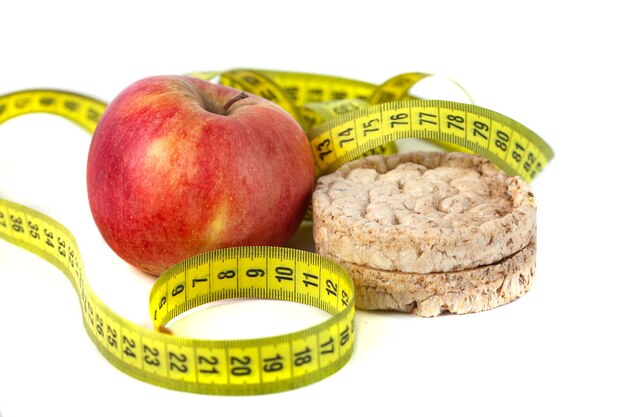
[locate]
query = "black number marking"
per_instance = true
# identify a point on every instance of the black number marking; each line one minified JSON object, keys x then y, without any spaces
{"x":344,"y":108}
{"x":228,"y":274}
{"x":329,"y":346}
{"x":310,"y":280}
{"x":251,"y":79}
{"x":426,"y":118}
{"x":162,"y":303}
{"x":303,"y":357}
{"x":112,"y":336}
{"x":93,"y":115}
{"x":253,"y":273}
{"x":530,"y":160}
{"x":99,"y":325}
{"x":453,"y":120}
{"x":33,"y":228}
{"x":344,"y":298}
{"x":129,"y":346}
{"x":284,"y":273}
{"x":71,"y":105}
{"x":197,"y":280}
{"x":293,"y":92}
{"x":49,"y":238}
{"x":88,"y":309}
{"x":212,"y":361}
{"x":398,"y":119}
{"x":346,"y":132}
{"x":480,"y":129}
{"x":344,"y":336}
{"x":269,"y":94}
{"x":178,"y":289}
{"x":46,"y":101}
{"x":61,"y":246}
{"x":339,"y":95}
{"x":314,"y":95}
{"x":16,"y":223}
{"x":368,"y":126}
{"x":502,"y":139}
{"x":181,"y":359}
{"x":517,"y":155}
{"x":331,"y":287}
{"x":151,"y":355}
{"x":323,"y":149}
{"x":240,"y":366}
{"x":273,"y":364}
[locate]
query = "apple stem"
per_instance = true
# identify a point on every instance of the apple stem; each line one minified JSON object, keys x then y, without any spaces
{"x":235,"y":99}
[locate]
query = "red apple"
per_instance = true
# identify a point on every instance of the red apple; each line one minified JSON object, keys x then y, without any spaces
{"x":179,"y":166}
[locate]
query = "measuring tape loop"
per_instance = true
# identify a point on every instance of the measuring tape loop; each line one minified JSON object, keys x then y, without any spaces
{"x":229,"y":367}
{"x":306,"y":88}
{"x":511,"y":146}
{"x":396,"y":88}
{"x":344,"y":119}
{"x":83,"y":110}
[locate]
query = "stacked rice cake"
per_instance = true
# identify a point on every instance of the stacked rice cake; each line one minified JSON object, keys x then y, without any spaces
{"x":428,"y":232}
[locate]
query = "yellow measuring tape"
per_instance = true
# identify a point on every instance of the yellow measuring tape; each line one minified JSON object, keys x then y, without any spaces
{"x":345,"y":119}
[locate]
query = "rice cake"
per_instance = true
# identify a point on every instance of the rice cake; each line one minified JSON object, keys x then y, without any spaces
{"x":421,"y":216}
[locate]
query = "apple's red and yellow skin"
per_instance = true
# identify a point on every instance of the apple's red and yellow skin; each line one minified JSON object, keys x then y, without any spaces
{"x":172,"y":174}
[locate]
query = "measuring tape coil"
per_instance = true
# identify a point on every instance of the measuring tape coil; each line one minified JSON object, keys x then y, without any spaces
{"x":345,"y":119}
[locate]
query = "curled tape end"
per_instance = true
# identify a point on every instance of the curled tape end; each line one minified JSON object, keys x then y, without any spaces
{"x":165,"y":330}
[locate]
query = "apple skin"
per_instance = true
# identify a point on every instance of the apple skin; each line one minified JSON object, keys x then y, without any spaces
{"x":171,"y":174}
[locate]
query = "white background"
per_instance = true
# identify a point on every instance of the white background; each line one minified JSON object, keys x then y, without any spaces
{"x":556,"y":67}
